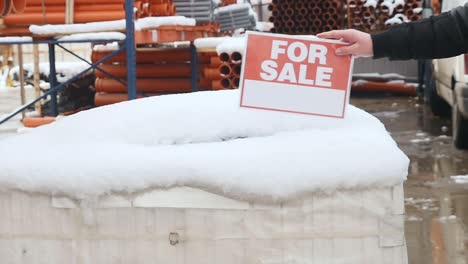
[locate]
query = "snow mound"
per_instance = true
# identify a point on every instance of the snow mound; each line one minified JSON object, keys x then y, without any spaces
{"x":202,"y":140}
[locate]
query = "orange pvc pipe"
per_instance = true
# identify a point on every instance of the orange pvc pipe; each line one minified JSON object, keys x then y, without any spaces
{"x":59,"y":18}
{"x":5,"y":7}
{"x":224,"y":57}
{"x":47,"y":9}
{"x":236,"y":69}
{"x":37,"y":121}
{"x":77,"y":2}
{"x":216,"y":85}
{"x":20,"y":31}
{"x":35,"y":18}
{"x":399,"y":88}
{"x":17,"y":6}
{"x":96,"y":7}
{"x":212,"y":74}
{"x":226,"y":83}
{"x":152,"y":85}
{"x":159,"y":9}
{"x":215,"y":61}
{"x":225,"y":70}
{"x":235,"y":82}
{"x":170,"y":55}
{"x":101,"y":99}
{"x":147,"y":70}
{"x":236,"y":57}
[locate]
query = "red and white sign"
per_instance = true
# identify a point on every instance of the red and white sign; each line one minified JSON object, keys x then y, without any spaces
{"x":295,"y":74}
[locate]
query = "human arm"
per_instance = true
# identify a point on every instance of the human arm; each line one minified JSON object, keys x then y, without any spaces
{"x":436,"y":37}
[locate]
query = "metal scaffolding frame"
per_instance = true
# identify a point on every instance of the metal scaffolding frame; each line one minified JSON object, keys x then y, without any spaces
{"x":128,"y":45}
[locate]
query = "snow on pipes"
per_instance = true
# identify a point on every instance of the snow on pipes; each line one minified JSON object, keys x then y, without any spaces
{"x":296,"y":74}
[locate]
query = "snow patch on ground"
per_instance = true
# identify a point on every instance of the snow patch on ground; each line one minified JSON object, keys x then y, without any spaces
{"x":460,"y":179}
{"x":202,"y":140}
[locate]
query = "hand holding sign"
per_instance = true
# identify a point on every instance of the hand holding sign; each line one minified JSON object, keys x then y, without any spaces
{"x":295,"y":74}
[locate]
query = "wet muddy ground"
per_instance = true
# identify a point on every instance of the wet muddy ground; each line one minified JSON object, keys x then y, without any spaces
{"x":436,"y":193}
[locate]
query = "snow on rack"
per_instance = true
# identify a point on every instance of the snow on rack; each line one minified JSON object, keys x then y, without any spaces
{"x":116,"y":25}
{"x":202,"y":140}
{"x":106,"y":47}
{"x":231,"y":8}
{"x":264,"y":26}
{"x":15,"y":39}
{"x":94,"y":36}
{"x":65,"y":70}
{"x":232,"y":45}
{"x":206,"y":43}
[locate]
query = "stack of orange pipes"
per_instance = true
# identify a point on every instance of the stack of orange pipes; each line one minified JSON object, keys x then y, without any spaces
{"x":11,"y":7}
{"x":158,"y":72}
{"x":306,"y":16}
{"x":161,"y":8}
{"x":376,"y":18}
{"x":211,"y":73}
{"x":53,"y":12}
{"x":229,"y":71}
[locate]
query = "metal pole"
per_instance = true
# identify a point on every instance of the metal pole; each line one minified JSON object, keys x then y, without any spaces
{"x":52,"y":80}
{"x":21,"y":77}
{"x":37,"y":80}
{"x":193,"y":67}
{"x":260,"y":10}
{"x":130,"y":46}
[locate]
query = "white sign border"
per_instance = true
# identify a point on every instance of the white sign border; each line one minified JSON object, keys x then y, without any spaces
{"x":304,"y":37}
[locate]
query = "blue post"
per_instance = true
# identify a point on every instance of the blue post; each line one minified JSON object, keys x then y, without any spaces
{"x":52,"y":80}
{"x":193,"y":67}
{"x":130,"y":45}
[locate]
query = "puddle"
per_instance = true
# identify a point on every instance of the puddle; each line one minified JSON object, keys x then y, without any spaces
{"x":436,"y":192}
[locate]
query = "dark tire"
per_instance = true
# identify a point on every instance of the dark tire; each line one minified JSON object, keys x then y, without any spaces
{"x":459,"y":128}
{"x":437,"y":104}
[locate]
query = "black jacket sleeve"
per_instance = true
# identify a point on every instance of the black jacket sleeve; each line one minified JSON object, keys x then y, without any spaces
{"x":431,"y":38}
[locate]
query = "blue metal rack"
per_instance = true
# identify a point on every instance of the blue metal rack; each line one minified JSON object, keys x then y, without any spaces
{"x":128,"y":45}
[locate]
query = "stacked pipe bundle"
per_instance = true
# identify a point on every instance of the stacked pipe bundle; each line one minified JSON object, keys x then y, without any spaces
{"x":158,"y":72}
{"x":211,"y":72}
{"x":235,"y":16}
{"x":11,"y":7}
{"x":158,"y":8}
{"x":54,"y":12}
{"x":200,"y":10}
{"x":376,"y":15}
{"x":306,"y":16}
{"x":229,"y":71}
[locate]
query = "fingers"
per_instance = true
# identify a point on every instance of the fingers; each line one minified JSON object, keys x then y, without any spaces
{"x":348,"y":50}
{"x":346,"y":35}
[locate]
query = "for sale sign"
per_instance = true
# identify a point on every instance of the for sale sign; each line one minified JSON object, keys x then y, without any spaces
{"x":295,"y":74}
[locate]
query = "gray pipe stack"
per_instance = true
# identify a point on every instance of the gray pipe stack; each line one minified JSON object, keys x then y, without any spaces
{"x":200,"y":10}
{"x":235,"y":16}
